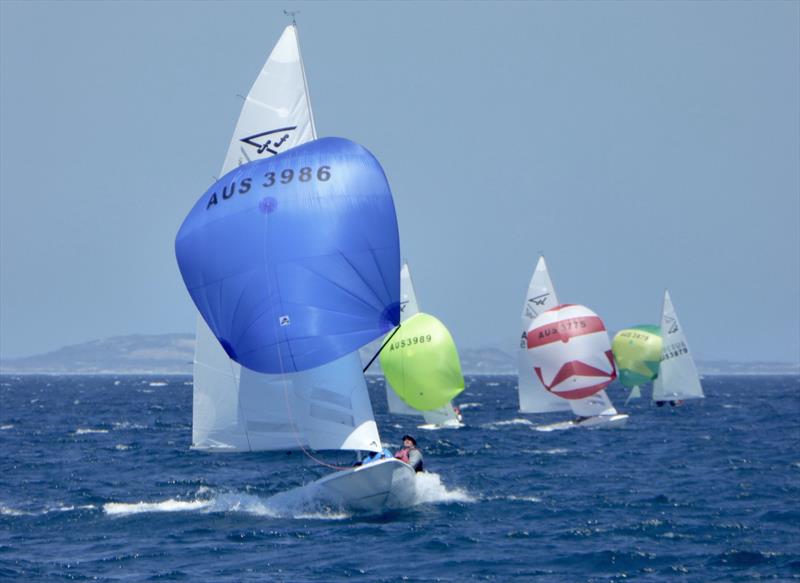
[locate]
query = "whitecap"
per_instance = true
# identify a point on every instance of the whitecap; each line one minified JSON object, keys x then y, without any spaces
{"x":497,"y":424}
{"x":553,"y":451}
{"x":6,"y":427}
{"x":171,"y":505}
{"x":515,"y":498}
{"x":128,"y":425}
{"x":470,"y":406}
{"x":70,"y":508}
{"x":563,"y":426}
{"x":83,"y":431}
{"x":524,"y":498}
{"x":328,"y":515}
{"x":8,"y":511}
{"x":157,"y":384}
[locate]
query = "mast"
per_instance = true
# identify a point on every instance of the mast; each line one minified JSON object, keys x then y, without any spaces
{"x":303,"y":70}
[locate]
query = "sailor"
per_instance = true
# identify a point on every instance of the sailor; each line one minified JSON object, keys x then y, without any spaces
{"x":374,"y":456}
{"x":410,"y":454}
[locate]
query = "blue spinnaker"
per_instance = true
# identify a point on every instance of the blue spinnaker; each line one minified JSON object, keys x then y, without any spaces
{"x":294,"y":260}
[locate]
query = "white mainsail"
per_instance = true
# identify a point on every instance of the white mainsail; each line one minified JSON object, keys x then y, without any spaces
{"x":409,"y":307}
{"x":276,"y":114}
{"x":234,"y":408}
{"x":677,"y":375}
{"x":533,"y":396}
{"x":541,"y":296}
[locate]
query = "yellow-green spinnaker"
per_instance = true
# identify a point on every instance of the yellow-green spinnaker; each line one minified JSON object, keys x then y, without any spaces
{"x":421,"y":363}
{"x":637,"y":351}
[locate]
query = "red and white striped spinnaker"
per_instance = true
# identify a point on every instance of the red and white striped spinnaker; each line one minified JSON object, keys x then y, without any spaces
{"x":571,"y":351}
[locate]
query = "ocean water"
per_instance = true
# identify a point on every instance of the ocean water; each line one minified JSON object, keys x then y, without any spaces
{"x":97,"y":482}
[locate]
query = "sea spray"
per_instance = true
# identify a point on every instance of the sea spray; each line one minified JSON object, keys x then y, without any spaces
{"x":430,"y":490}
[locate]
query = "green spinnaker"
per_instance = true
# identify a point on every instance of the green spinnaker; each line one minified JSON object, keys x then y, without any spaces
{"x":421,"y":363}
{"x":637,"y":351}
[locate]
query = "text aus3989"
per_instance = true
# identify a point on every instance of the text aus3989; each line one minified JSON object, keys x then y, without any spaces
{"x":408,"y":342}
{"x":287,"y":175}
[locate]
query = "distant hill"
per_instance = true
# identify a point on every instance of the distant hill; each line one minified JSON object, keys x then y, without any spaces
{"x":173,"y":354}
{"x":139,"y":353}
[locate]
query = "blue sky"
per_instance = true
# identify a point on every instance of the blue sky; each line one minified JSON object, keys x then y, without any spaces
{"x":637,"y":145}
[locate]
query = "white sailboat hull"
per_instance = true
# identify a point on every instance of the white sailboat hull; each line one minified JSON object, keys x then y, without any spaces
{"x":374,"y":487}
{"x":598,"y":422}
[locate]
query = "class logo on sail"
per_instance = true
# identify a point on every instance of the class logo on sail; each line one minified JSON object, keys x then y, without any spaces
{"x":672,"y":323}
{"x":270,"y":141}
{"x":539,"y":301}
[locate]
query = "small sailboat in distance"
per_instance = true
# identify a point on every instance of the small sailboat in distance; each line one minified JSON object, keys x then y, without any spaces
{"x":283,"y":305}
{"x":592,"y":410}
{"x":677,"y":378}
{"x":438,"y":358}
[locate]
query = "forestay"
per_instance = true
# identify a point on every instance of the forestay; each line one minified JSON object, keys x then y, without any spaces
{"x":677,"y":376}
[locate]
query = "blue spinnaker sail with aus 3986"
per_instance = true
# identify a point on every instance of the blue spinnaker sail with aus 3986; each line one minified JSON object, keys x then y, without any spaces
{"x":294,"y":260}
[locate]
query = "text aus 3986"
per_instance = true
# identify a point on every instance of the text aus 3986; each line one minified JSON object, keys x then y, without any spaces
{"x":270,"y":179}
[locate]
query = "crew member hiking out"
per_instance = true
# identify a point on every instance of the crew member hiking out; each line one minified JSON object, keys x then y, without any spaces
{"x":410,"y":454}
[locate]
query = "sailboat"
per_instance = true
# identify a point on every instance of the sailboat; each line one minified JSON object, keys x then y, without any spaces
{"x":445,"y":416}
{"x":323,"y":407}
{"x":677,"y":375}
{"x":593,"y":411}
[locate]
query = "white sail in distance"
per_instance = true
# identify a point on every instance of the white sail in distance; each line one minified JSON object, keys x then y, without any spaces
{"x":533,"y":396}
{"x":236,"y":409}
{"x":541,"y":296}
{"x":677,"y":375}
{"x":410,"y":307}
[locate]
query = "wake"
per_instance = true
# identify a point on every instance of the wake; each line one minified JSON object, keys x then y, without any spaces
{"x":303,"y":502}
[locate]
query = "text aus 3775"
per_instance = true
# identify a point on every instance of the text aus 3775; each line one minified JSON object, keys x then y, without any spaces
{"x":287,"y":175}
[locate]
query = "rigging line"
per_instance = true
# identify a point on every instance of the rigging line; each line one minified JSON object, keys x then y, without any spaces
{"x":305,"y":80}
{"x":297,"y":434}
{"x":382,"y":347}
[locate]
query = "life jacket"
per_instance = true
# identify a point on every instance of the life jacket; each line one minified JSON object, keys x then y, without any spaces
{"x":403,"y":456}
